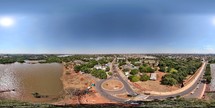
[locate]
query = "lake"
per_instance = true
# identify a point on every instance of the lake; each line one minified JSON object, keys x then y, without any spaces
{"x":29,"y":78}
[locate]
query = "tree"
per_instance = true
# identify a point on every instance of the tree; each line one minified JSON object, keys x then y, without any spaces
{"x":85,"y":69}
{"x":108,"y":69}
{"x":142,"y":69}
{"x":168,"y":80}
{"x":134,"y":78}
{"x":99,"y":73}
{"x":149,"y":69}
{"x":77,"y":68}
{"x":144,"y":77}
{"x":134,"y":72}
{"x":162,"y":69}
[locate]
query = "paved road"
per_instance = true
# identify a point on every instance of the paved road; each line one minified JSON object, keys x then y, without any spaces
{"x":108,"y":94}
{"x":188,"y":91}
{"x":126,"y":84}
{"x":130,"y":91}
{"x":197,"y":91}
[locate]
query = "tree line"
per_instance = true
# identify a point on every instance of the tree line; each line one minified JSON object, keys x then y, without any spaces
{"x":181,"y":68}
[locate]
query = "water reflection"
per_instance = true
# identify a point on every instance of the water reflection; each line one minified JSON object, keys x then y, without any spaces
{"x":29,"y":78}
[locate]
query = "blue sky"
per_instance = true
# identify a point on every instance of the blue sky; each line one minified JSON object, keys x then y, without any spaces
{"x":108,"y":26}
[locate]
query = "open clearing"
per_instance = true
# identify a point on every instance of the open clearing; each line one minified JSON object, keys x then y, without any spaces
{"x":155,"y":85}
{"x":112,"y":85}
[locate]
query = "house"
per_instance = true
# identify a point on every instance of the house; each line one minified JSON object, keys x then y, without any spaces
{"x":100,"y":67}
{"x":78,"y":62}
{"x":99,"y":58}
{"x":127,"y":66}
{"x":153,"y":76}
{"x":127,"y":74}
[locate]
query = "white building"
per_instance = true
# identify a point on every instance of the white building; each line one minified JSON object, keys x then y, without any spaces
{"x":100,"y":67}
{"x":153,"y":76}
{"x":127,"y":74}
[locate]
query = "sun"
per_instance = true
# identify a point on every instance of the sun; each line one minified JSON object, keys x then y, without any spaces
{"x":6,"y":21}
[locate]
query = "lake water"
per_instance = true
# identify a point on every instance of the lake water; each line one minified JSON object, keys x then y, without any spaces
{"x":29,"y":78}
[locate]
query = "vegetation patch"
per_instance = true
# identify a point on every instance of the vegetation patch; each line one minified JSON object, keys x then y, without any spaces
{"x":177,"y":69}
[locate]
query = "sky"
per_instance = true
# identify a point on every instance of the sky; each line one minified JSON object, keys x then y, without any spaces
{"x":107,"y":26}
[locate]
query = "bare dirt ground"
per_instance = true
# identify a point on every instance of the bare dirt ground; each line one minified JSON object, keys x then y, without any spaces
{"x":112,"y":85}
{"x":154,"y":85}
{"x":93,"y":98}
{"x":124,"y":96}
{"x":74,"y":85}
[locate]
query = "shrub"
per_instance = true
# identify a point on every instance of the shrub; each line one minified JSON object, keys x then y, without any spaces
{"x":134,"y":72}
{"x":134,"y":78}
{"x":144,"y":77}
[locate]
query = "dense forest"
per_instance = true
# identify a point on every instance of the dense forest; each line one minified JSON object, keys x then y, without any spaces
{"x":177,"y":69}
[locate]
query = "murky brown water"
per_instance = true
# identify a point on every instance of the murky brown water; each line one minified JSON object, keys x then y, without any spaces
{"x":29,"y":78}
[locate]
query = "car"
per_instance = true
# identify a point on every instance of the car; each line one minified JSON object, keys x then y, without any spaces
{"x":192,"y":92}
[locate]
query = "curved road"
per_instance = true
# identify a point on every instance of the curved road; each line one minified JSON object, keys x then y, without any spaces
{"x":189,"y":90}
{"x":131,"y":92}
{"x":108,"y":95}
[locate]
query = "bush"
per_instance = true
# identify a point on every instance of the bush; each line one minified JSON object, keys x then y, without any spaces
{"x":110,"y":73}
{"x":134,"y":72}
{"x":149,"y":69}
{"x":77,"y":68}
{"x":142,"y":68}
{"x":207,"y":74}
{"x":162,"y":69}
{"x":134,"y":78}
{"x":108,"y":69}
{"x":168,"y":80}
{"x":99,"y":73}
{"x":144,"y":77}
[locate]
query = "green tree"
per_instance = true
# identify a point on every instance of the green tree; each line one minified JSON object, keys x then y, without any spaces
{"x":134,"y":78}
{"x":144,"y":77}
{"x":149,"y":69}
{"x":77,"y":68}
{"x":134,"y":72}
{"x":142,"y":69}
{"x":108,"y":69}
{"x":99,"y":73}
{"x":168,"y":80}
{"x":85,"y":69}
{"x":162,"y":69}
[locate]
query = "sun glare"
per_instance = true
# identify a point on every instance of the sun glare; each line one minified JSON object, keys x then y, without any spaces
{"x":6,"y":21}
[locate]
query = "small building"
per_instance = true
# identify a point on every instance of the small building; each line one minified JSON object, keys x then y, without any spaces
{"x":127,"y":74}
{"x":153,"y":76}
{"x":100,"y":67}
{"x":78,"y":62}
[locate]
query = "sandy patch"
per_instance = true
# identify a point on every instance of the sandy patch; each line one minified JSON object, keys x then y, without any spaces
{"x":112,"y":85}
{"x":154,"y":85}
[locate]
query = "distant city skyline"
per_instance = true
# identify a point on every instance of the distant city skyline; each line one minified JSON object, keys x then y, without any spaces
{"x":107,"y":26}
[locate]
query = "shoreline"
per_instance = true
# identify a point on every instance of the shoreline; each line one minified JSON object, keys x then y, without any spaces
{"x":74,"y":84}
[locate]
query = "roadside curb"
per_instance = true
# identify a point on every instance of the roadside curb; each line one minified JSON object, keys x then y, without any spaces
{"x":203,"y":91}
